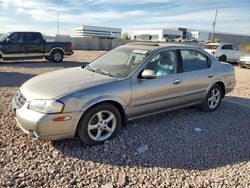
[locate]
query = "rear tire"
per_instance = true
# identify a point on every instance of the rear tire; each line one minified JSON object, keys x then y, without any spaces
{"x":57,"y":56}
{"x":213,"y":99}
{"x":98,"y":124}
{"x":222,"y":58}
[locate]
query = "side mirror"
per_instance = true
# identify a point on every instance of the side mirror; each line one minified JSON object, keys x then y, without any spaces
{"x":7,"y":40}
{"x":148,"y":74}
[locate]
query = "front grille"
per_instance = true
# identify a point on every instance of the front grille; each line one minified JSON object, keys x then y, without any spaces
{"x":19,"y":99}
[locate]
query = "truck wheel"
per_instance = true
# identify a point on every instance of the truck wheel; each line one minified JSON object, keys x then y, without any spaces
{"x":57,"y":56}
{"x":223,"y":58}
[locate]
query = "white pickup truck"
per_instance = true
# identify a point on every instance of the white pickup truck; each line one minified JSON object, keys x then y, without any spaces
{"x":224,"y":51}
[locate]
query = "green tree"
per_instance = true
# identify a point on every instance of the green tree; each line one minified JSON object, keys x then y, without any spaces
{"x":126,"y":36}
{"x":216,"y":40}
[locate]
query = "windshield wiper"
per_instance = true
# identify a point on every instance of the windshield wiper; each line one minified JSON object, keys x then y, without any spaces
{"x":105,"y":72}
{"x":99,"y":71}
{"x":89,"y":68}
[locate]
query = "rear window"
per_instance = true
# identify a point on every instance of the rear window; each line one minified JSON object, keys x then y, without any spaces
{"x":227,"y":47}
{"x":210,"y":47}
{"x":194,"y":60}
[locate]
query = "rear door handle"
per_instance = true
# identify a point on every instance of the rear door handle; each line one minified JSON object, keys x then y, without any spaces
{"x":176,"y":81}
{"x":210,"y":75}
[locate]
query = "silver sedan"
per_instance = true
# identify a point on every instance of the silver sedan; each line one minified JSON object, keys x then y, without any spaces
{"x":129,"y":82}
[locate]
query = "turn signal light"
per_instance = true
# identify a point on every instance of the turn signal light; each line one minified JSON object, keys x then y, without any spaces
{"x":62,"y":118}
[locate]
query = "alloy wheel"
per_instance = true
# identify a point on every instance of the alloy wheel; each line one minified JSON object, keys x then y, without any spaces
{"x":57,"y":56}
{"x":101,"y":125}
{"x":214,"y":98}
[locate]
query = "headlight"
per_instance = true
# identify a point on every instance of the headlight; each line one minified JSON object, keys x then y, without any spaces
{"x":46,"y":106}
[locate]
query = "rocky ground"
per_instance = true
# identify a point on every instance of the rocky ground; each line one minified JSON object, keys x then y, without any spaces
{"x":184,"y":148}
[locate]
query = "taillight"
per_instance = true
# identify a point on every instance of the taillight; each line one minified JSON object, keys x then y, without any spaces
{"x":71,"y":47}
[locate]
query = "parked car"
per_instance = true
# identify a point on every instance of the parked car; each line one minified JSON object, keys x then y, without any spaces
{"x":31,"y":45}
{"x":244,"y":61}
{"x":225,"y":52}
{"x":166,"y":39}
{"x":129,"y":82}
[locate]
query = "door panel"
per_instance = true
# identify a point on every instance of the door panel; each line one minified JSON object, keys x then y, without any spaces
{"x":34,"y":45}
{"x":195,"y":85}
{"x":13,"y":48}
{"x":163,"y":91}
{"x":149,"y":96}
{"x":227,"y":49}
{"x":197,"y":76}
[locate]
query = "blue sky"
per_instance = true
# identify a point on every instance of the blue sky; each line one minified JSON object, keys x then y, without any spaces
{"x":40,"y":15}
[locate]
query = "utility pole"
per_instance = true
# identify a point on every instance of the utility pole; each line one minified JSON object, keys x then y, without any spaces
{"x":214,"y":23}
{"x":58,"y":23}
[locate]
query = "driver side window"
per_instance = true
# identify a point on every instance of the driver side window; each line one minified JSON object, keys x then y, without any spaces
{"x":15,"y":38}
{"x":163,"y":64}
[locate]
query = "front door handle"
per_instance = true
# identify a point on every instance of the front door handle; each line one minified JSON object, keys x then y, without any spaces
{"x":177,"y":81}
{"x":210,"y":75}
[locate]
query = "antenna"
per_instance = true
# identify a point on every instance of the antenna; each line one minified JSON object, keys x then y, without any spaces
{"x":215,"y":19}
{"x":58,"y":23}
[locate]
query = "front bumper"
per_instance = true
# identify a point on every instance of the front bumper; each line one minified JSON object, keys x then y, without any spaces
{"x":42,"y":126}
{"x":244,"y":64}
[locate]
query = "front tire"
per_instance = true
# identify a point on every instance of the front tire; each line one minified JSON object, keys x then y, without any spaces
{"x":100,"y":123}
{"x":222,"y":58}
{"x":213,"y":99}
{"x":57,"y":56}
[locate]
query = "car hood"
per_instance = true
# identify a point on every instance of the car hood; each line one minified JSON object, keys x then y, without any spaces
{"x":58,"y":83}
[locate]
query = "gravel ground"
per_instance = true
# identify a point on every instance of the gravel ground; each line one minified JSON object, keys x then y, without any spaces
{"x":184,"y":148}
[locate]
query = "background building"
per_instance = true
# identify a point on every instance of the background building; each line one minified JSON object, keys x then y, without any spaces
{"x":156,"y":34}
{"x":97,"y":32}
{"x":187,"y":34}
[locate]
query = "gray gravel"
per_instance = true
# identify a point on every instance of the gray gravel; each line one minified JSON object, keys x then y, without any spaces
{"x":174,"y":154}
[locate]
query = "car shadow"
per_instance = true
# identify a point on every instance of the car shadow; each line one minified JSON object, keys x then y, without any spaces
{"x":184,"y":139}
{"x":13,"y":79}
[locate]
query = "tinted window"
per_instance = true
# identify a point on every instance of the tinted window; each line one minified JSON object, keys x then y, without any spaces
{"x":235,"y":47}
{"x":227,"y":47}
{"x":32,"y":38}
{"x":15,"y":38}
{"x":164,"y":63}
{"x":193,"y":60}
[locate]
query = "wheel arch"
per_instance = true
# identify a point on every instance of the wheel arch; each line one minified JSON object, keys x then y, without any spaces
{"x":223,"y":88}
{"x":221,"y":84}
{"x":56,"y":48}
{"x":219,"y":58}
{"x":115,"y":103}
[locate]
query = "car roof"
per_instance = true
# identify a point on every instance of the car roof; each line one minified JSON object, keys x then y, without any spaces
{"x":150,"y":46}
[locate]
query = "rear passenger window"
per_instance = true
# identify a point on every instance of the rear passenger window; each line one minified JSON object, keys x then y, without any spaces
{"x":194,"y":60}
{"x":227,"y":47}
{"x":235,"y":48}
{"x":32,"y":38}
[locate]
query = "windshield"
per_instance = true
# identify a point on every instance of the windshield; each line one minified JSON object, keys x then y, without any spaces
{"x":119,"y":62}
{"x":4,"y":37}
{"x":210,"y":47}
